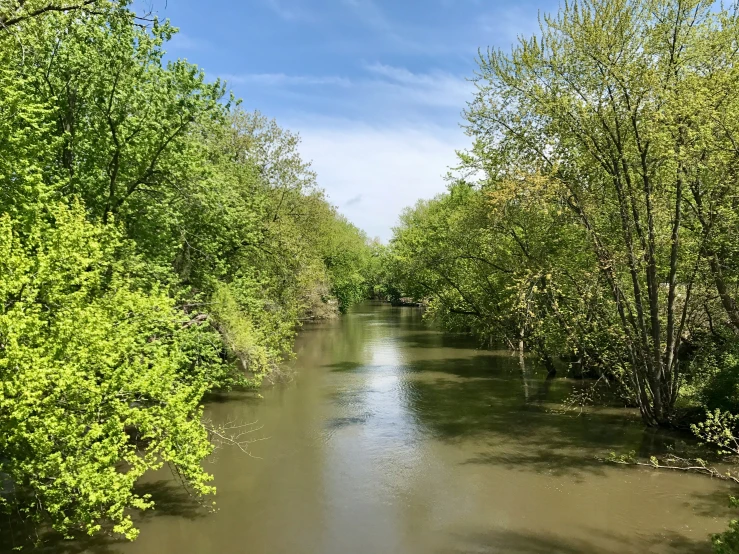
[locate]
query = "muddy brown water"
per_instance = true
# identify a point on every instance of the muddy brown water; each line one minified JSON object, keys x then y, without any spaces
{"x":395,"y":438}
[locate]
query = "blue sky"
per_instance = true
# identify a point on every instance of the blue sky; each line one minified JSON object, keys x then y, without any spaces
{"x":375,"y":88}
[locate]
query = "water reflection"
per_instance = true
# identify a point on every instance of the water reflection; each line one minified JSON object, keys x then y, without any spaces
{"x":393,"y":437}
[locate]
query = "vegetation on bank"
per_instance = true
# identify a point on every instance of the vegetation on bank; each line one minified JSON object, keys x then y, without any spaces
{"x":595,"y":220}
{"x":156,"y":243}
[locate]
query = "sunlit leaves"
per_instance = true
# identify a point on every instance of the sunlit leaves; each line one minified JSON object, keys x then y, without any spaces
{"x":95,"y":375}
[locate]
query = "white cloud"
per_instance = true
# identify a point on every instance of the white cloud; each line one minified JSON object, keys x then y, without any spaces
{"x":437,"y":88}
{"x":372,"y":173}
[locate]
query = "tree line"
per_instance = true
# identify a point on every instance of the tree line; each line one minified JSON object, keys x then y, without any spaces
{"x":157,"y":243}
{"x":595,"y":219}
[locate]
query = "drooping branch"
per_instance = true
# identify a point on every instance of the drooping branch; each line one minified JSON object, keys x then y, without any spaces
{"x":675,"y":463}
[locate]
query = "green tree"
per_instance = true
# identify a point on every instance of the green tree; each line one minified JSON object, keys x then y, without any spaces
{"x":99,"y":370}
{"x":607,"y":105}
{"x":15,"y":12}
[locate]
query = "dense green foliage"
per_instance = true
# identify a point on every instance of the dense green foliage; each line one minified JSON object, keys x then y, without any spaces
{"x":156,"y":243}
{"x":94,"y":362}
{"x":596,"y":218}
{"x":728,"y":541}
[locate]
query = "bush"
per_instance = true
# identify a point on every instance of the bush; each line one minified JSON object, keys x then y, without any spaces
{"x":728,"y":541}
{"x":101,"y":375}
{"x":715,"y":375}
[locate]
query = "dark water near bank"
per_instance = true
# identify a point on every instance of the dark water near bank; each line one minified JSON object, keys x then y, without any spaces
{"x":395,"y":438}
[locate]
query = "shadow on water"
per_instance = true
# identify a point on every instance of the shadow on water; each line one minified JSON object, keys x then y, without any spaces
{"x":17,"y":536}
{"x":484,"y":364}
{"x":341,"y":422}
{"x":171,"y":500}
{"x":511,"y":542}
{"x":520,"y":421}
{"x":543,"y":462}
{"x":341,"y":367}
{"x":714,"y":503}
{"x":244,"y":396}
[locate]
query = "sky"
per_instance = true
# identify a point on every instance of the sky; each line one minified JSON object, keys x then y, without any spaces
{"x":375,"y":88}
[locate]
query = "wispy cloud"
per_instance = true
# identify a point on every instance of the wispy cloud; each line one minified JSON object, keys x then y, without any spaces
{"x":381,"y":87}
{"x":290,"y":11}
{"x":182,"y":42}
{"x":437,"y":88}
{"x":281,"y":79}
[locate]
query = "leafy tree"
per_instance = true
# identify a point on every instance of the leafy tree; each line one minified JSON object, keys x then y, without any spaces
{"x":15,"y":12}
{"x":608,"y":106}
{"x":98,"y":369}
{"x":121,"y":119}
{"x":728,"y":541}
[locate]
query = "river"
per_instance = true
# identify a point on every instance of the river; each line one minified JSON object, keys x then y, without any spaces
{"x":392,"y":437}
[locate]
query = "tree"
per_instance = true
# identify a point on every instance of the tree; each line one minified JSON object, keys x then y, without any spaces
{"x":99,"y":371}
{"x":14,"y":12}
{"x":598,"y":106}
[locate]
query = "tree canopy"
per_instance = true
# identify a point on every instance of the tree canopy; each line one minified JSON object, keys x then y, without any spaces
{"x":156,"y":243}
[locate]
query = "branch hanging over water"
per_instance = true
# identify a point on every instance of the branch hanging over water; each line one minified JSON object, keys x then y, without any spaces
{"x":233,"y":434}
{"x":673,"y":463}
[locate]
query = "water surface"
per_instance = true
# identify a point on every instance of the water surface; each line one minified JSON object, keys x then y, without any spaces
{"x":394,"y":438}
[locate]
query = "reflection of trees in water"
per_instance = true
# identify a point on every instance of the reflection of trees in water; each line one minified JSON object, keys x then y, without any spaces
{"x":480,"y":396}
{"x":524,"y":372}
{"x":514,"y":542}
{"x":345,"y":340}
{"x":478,"y":393}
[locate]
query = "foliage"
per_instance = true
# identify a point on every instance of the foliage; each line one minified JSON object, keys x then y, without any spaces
{"x":98,"y":370}
{"x":14,"y":13}
{"x":714,"y":373}
{"x":720,"y":429}
{"x":595,"y":216}
{"x":156,"y":243}
{"x":504,"y":261}
{"x":728,"y":541}
{"x":347,"y":259}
